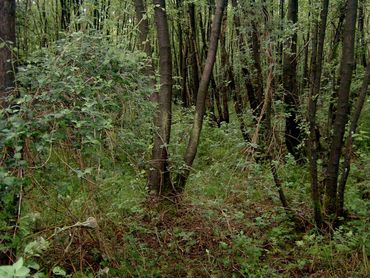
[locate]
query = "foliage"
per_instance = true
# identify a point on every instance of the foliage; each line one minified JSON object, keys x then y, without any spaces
{"x":72,"y":119}
{"x":76,"y":143}
{"x":15,"y":270}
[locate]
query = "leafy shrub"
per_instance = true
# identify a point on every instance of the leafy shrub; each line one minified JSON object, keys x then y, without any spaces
{"x":75,"y":113}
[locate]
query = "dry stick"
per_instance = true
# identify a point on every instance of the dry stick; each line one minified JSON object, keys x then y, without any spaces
{"x":354,"y":122}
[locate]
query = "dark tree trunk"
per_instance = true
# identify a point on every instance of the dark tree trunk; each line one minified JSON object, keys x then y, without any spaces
{"x":252,"y":98}
{"x":280,"y":45}
{"x":192,"y":147}
{"x":143,"y":26}
{"x":194,"y":52}
{"x":224,"y":91}
{"x":76,"y":9}
{"x":65,"y":16}
{"x":159,"y":180}
{"x":313,"y":142}
{"x":7,"y":41}
{"x":361,"y":30}
{"x":306,"y":75}
{"x":337,"y":37}
{"x":182,"y":72}
{"x":341,"y":115}
{"x":255,"y":49}
{"x":96,"y":13}
{"x":354,"y":121}
{"x":291,"y":97}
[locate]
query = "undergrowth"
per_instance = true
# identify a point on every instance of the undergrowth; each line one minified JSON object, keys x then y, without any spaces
{"x":81,"y":137}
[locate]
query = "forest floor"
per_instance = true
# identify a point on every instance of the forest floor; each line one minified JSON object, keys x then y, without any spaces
{"x":229,"y":222}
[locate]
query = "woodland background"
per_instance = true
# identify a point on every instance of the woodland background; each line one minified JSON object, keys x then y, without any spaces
{"x":184,"y":138}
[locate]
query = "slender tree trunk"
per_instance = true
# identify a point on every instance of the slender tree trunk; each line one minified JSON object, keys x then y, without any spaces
{"x":253,"y":101}
{"x":182,"y":72}
{"x":341,"y":115}
{"x":361,"y":30}
{"x":282,"y":15}
{"x":77,"y":12}
{"x":306,"y":74}
{"x":7,"y":42}
{"x":354,"y":121}
{"x":313,"y":142}
{"x":202,"y":93}
{"x":291,"y":97}
{"x":225,"y":63}
{"x":159,"y":179}
{"x":65,"y":16}
{"x":255,"y":49}
{"x":96,"y":13}
{"x":143,"y":26}
{"x":194,"y":52}
{"x":337,"y":37}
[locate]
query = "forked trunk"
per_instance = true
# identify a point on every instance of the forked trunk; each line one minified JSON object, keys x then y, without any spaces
{"x":341,"y":115}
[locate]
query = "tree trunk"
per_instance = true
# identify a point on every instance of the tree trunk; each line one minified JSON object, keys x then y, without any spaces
{"x":143,"y":26}
{"x":341,"y":115}
{"x":361,"y":30}
{"x":280,"y":45}
{"x":159,"y":180}
{"x":291,"y":98}
{"x":313,"y":142}
{"x":224,"y":90}
{"x":255,"y":49}
{"x":337,"y":37}
{"x":354,"y":121}
{"x":7,"y":42}
{"x":201,"y":96}
{"x":252,"y":98}
{"x":193,"y":47}
{"x":65,"y":16}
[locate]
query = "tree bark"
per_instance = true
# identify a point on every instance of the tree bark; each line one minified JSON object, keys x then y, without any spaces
{"x":341,"y":115}
{"x":7,"y":42}
{"x":252,"y":98}
{"x":361,"y":30}
{"x":159,"y":180}
{"x":201,"y":96}
{"x":65,"y":16}
{"x":193,"y":47}
{"x":291,"y":97}
{"x":337,"y":37}
{"x":313,"y":142}
{"x":143,"y":26}
{"x":354,"y":122}
{"x":224,"y":90}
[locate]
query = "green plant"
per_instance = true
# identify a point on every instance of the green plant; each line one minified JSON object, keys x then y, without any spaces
{"x":16,"y":270}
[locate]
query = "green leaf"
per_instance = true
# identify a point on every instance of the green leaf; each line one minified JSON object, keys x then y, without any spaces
{"x":17,"y":266}
{"x":33,"y":265}
{"x":18,"y":156}
{"x":36,"y":247}
{"x":9,"y":181}
{"x":22,"y":272}
{"x":6,"y":271}
{"x":59,"y":271}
